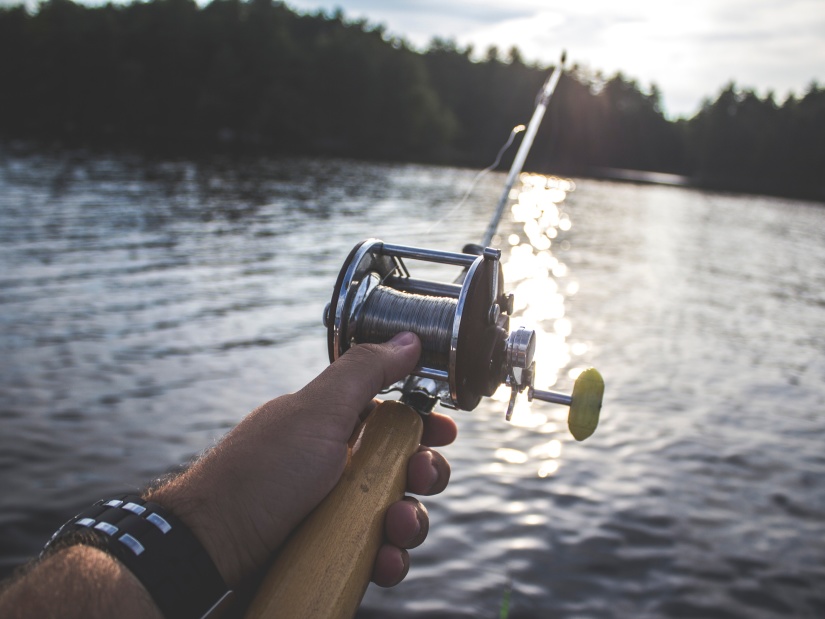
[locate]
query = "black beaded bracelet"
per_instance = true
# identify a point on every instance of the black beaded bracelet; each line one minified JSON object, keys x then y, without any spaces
{"x":157,"y":548}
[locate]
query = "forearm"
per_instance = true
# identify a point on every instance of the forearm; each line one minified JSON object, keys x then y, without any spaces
{"x":235,"y":506}
{"x":52,"y":588}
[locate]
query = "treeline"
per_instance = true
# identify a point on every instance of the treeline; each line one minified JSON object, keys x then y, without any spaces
{"x":170,"y":76}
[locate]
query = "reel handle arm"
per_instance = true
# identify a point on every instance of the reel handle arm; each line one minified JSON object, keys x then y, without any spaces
{"x":323,"y":569}
{"x":585,"y":403}
{"x":553,"y":397}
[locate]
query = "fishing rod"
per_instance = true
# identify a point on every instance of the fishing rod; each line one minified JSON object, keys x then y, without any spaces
{"x":468,"y":352}
{"x":542,"y":101}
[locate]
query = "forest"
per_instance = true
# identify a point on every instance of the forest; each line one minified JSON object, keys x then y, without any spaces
{"x":172,"y":77}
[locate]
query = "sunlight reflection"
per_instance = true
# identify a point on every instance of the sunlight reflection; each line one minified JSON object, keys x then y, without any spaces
{"x":512,"y":456}
{"x":560,"y":270}
{"x":563,"y":327}
{"x":551,"y":427}
{"x":532,"y":520}
{"x":545,"y":451}
{"x":525,"y":417}
{"x":548,"y":468}
{"x":515,"y":507}
{"x":579,"y":348}
{"x":524,"y":543}
{"x":540,"y":284}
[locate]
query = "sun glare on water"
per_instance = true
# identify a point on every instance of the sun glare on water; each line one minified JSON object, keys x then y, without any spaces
{"x":541,"y":283}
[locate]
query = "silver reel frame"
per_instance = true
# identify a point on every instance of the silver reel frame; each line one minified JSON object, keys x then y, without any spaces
{"x":374,"y":262}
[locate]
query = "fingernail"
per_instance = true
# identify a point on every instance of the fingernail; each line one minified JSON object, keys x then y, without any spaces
{"x":433,"y":474}
{"x":403,"y":339}
{"x":422,"y":523}
{"x":414,"y":537}
{"x":405,"y":562}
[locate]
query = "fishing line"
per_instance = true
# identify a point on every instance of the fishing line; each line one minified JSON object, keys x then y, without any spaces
{"x":387,"y":311}
{"x":516,"y":130}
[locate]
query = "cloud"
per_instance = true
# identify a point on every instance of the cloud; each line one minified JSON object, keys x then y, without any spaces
{"x":689,"y":50}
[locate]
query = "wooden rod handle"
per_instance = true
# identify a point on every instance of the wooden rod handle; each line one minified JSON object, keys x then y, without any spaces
{"x":324,"y":568}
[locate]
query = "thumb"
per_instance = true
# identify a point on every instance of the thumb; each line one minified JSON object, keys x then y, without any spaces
{"x":353,"y":380}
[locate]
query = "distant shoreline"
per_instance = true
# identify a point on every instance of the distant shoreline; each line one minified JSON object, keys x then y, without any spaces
{"x":25,"y":148}
{"x":257,"y":78}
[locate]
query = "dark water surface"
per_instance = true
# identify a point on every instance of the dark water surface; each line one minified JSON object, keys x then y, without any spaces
{"x":146,"y":307}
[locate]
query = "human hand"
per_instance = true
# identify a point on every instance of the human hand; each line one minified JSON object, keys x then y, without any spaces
{"x":244,"y":497}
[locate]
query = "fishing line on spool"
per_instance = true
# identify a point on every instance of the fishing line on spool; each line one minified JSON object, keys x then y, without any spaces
{"x":387,"y":311}
{"x":515,"y":131}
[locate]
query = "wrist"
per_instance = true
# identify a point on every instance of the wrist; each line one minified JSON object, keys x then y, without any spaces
{"x":226,"y":497}
{"x":201,"y":510}
{"x":199,"y":516}
{"x":156,"y":546}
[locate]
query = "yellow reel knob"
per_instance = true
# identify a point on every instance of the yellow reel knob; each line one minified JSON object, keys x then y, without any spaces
{"x":586,"y":404}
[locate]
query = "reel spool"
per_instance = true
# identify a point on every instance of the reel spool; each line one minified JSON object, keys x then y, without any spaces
{"x":464,"y":328}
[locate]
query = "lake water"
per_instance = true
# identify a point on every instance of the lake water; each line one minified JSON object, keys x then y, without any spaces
{"x":145,"y":307}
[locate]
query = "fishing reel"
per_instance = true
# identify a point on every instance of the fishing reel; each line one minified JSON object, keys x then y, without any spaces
{"x":468,"y":350}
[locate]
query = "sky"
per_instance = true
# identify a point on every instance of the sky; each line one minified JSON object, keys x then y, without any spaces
{"x":690,"y":50}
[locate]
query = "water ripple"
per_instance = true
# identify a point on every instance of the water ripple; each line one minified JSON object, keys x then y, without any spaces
{"x":147,"y":306}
